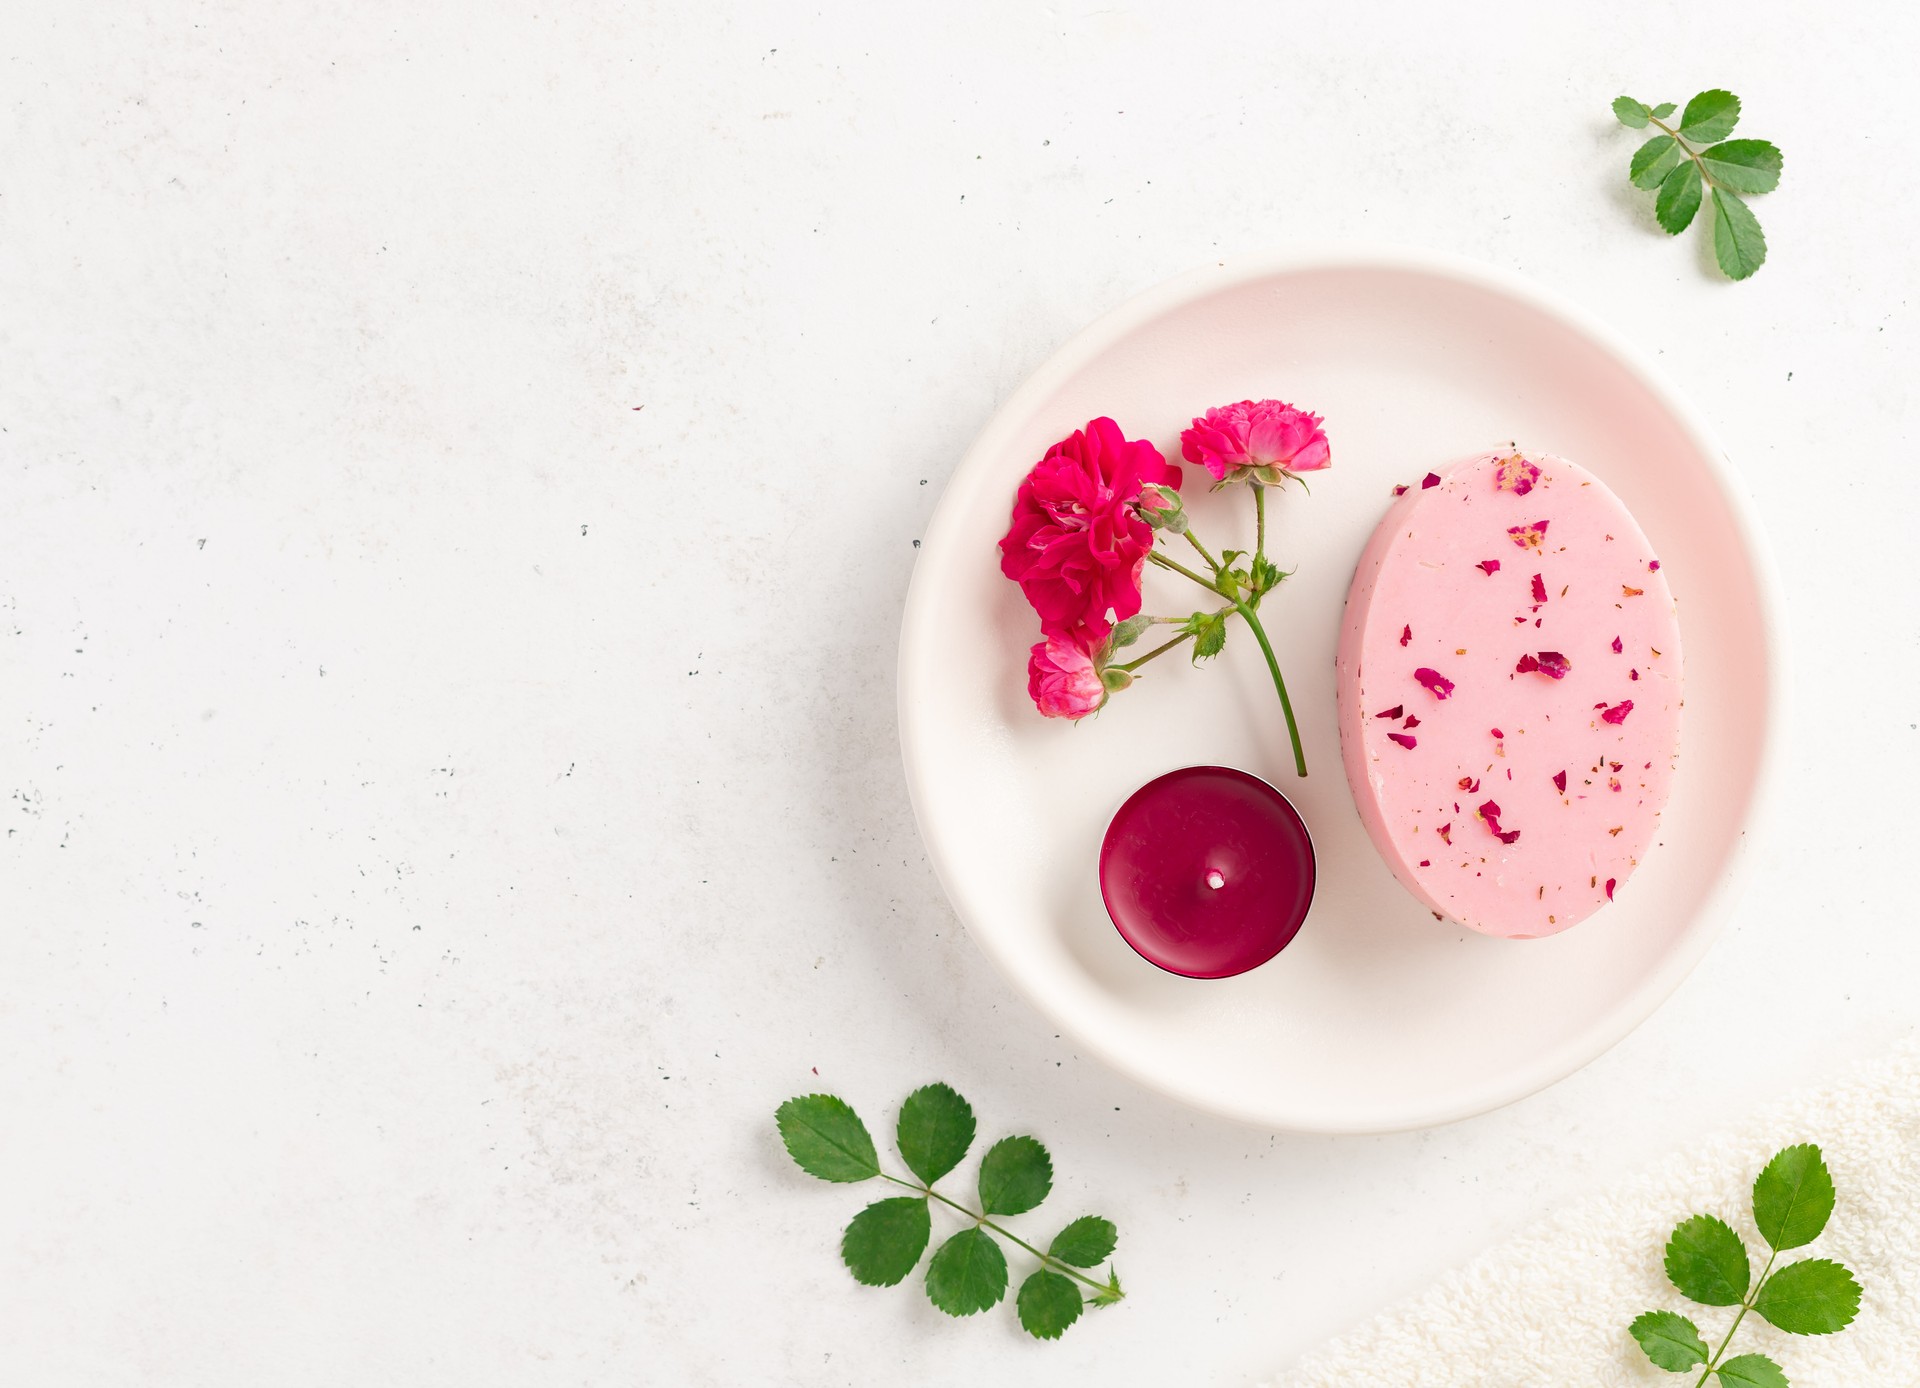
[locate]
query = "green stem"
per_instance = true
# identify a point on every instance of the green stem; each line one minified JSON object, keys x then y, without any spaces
{"x":977,"y":1218}
{"x":1133,"y":665}
{"x":1245,"y":609}
{"x":1157,"y":557}
{"x":1687,"y":150}
{"x":1194,"y":540}
{"x":1745,"y":1306}
{"x":1279,"y":684}
{"x":1259,"y":522}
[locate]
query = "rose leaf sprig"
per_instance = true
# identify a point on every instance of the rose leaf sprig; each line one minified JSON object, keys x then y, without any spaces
{"x":968,"y":1272}
{"x":1692,"y":160}
{"x":1792,"y":1200}
{"x":1093,"y":512}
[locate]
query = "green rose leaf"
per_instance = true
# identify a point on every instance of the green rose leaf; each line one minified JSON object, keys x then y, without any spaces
{"x":1663,"y":110}
{"x":1707,"y":1262}
{"x":1679,"y":198}
{"x":935,"y":1130}
{"x":1048,"y":1304}
{"x":1086,"y":1242}
{"x":1738,"y":243}
{"x":1670,"y":1340}
{"x":1629,"y":112}
{"x":886,"y":1239}
{"x":827,"y":1139}
{"x":1710,"y":116}
{"x":1793,"y":1197}
{"x":1015,"y":1175}
{"x":1744,"y":166}
{"x":1110,"y":1293}
{"x":1752,"y":1371}
{"x":1653,"y":161}
{"x":1209,"y":632}
{"x":968,"y":1273}
{"x":1816,"y":1297}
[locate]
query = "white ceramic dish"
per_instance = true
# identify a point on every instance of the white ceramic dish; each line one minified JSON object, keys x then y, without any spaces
{"x":1376,"y":1017}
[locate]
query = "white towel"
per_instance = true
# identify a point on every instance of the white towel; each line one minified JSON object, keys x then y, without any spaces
{"x":1552,"y":1305}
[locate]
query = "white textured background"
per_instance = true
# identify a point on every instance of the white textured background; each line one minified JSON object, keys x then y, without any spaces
{"x":459,"y":465}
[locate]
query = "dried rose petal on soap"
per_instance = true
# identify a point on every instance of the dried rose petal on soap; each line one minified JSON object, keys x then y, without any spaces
{"x":1539,"y":589}
{"x":1434,"y":682}
{"x":1407,"y":742}
{"x":1560,"y":781}
{"x":1618,"y":713}
{"x":1406,"y":635}
{"x":1515,"y":474}
{"x":1617,"y":647}
{"x":1490,"y":811}
{"x":1397,"y":711}
{"x":1432,"y":479}
{"x":1529,"y":536}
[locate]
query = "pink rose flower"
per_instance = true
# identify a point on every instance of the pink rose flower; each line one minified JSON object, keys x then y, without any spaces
{"x":1263,"y":438}
{"x":1063,"y":676}
{"x":1078,"y":543}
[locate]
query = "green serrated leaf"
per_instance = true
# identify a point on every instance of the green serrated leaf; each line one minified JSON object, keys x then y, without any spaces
{"x":1793,"y":1197}
{"x":1707,"y":1261}
{"x":1663,"y":110}
{"x":1015,"y":1175}
{"x":1679,"y":198}
{"x":1653,"y":161}
{"x":827,"y":1139}
{"x":1048,"y":1303}
{"x":967,"y":1274}
{"x":1086,"y":1242}
{"x":1816,"y":1297}
{"x":1710,"y":116}
{"x":1227,"y":556}
{"x":934,"y":1132}
{"x":1738,"y":243}
{"x":1752,"y":1371}
{"x":886,"y":1239}
{"x":1209,"y":631}
{"x":1110,"y":1294}
{"x":1743,"y":166}
{"x":1266,"y":575}
{"x":1670,"y":1340}
{"x":1127,"y":632}
{"x":1629,"y":112}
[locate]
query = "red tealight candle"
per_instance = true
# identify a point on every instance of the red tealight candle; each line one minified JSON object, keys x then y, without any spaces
{"x":1207,"y":871}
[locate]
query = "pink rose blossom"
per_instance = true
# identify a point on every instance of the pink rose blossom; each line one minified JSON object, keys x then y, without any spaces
{"x":1078,"y":543}
{"x":1236,"y":440}
{"x":1063,"y":677}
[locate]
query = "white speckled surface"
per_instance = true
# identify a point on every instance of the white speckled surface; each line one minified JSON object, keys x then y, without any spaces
{"x":461,"y":465}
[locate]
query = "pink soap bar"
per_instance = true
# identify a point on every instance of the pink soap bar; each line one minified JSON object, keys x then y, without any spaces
{"x":1509,"y":677}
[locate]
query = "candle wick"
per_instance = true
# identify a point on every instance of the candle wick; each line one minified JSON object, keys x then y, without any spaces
{"x":1216,"y":878}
